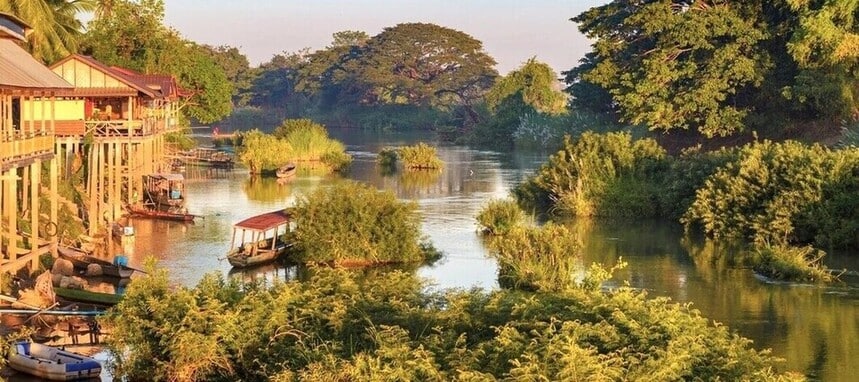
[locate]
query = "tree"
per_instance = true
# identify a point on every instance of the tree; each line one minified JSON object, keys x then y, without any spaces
{"x":237,"y":69}
{"x":678,"y":64}
{"x":424,"y":64}
{"x":535,"y":83}
{"x":133,"y":36}
{"x":56,"y":30}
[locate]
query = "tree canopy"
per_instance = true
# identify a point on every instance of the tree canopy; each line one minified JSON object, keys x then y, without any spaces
{"x":719,"y":65}
{"x":133,"y":35}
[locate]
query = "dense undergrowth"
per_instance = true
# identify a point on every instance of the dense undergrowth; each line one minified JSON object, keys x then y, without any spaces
{"x":295,"y":140}
{"x":339,"y":326}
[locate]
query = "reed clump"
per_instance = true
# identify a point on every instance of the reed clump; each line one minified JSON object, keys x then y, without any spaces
{"x":420,"y":157}
{"x":500,"y":216}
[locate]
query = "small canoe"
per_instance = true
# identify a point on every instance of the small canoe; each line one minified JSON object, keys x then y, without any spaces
{"x":82,"y":260}
{"x":51,"y":363}
{"x":286,"y":171}
{"x":144,"y":212}
{"x":79,"y":295}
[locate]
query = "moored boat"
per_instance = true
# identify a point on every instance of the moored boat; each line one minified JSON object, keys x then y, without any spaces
{"x":266,"y":243}
{"x":144,"y":212}
{"x":51,"y":363}
{"x":82,"y":260}
{"x":80,"y":295}
{"x":286,"y":171}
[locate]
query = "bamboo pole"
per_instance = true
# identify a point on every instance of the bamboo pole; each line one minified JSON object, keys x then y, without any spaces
{"x":35,"y":174}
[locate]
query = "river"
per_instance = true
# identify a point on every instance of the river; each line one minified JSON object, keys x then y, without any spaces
{"x":814,"y":328}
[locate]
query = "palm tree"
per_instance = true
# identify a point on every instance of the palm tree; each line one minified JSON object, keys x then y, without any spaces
{"x":56,"y":29}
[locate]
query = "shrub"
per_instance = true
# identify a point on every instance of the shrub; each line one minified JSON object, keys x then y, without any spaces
{"x":387,"y":157}
{"x":261,"y":152}
{"x":790,"y":263}
{"x":535,"y":258}
{"x":355,"y":223}
{"x":309,"y":142}
{"x":420,"y":157}
{"x":337,"y":325}
{"x":595,"y":175}
{"x":500,"y":216}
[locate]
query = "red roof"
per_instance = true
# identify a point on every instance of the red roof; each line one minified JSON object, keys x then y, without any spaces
{"x":265,"y":221}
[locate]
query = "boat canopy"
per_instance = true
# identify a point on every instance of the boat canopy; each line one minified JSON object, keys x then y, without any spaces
{"x":265,"y":221}
{"x":170,"y":177}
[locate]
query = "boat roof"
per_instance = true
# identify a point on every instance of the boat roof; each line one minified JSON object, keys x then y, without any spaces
{"x":265,"y":221}
{"x":168,"y":176}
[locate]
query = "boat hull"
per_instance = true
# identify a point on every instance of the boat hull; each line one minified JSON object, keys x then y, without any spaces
{"x":51,"y":363}
{"x":81,"y":260}
{"x":155,"y":214}
{"x":87,"y":296}
{"x":240,"y":260}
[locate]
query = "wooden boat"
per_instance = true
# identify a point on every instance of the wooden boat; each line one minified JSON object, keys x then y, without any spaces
{"x":142,"y":211}
{"x":82,"y":260}
{"x":286,"y":171}
{"x":80,"y":295}
{"x":51,"y":363}
{"x":265,"y":244}
{"x":165,"y":192}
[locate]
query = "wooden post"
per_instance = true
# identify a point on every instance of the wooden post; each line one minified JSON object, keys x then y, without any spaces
{"x":35,"y":175}
{"x":54,"y":206}
{"x":25,"y":186}
{"x":12,"y":208}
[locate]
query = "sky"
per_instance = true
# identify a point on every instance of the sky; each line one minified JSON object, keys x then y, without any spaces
{"x":511,"y":31}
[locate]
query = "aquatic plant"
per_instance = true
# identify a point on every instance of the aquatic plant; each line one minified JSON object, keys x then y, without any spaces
{"x":420,"y":157}
{"x":338,"y":325}
{"x":537,"y":258}
{"x":498,"y":217}
{"x":387,"y":157}
{"x":354,"y":223}
{"x":783,"y":262}
{"x":309,"y":142}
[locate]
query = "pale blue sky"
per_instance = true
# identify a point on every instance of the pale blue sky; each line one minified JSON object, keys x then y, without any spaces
{"x":511,"y":31}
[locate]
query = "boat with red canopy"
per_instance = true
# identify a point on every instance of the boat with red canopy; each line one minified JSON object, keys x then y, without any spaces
{"x":261,"y":239}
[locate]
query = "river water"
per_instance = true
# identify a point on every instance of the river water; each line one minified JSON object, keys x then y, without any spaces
{"x":815,"y":329}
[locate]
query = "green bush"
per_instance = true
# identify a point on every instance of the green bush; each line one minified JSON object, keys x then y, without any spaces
{"x":263,"y":152}
{"x":340,"y":326}
{"x":420,"y":157}
{"x":387,"y":157}
{"x":774,"y":193}
{"x":500,"y":216}
{"x":309,"y":142}
{"x":598,"y":175}
{"x":536,"y":258}
{"x":790,"y":263}
{"x":355,"y":223}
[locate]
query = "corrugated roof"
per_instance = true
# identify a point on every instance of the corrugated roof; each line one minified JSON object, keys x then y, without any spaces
{"x":97,"y":92}
{"x":265,"y":221}
{"x":141,"y":87}
{"x":164,"y":84}
{"x":19,"y":69}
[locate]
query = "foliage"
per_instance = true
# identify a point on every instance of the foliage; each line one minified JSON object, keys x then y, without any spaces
{"x":387,"y":157}
{"x":340,"y":326}
{"x":133,"y":36}
{"x":355,"y":223}
{"x":56,"y":30}
{"x":598,"y":175}
{"x":791,"y":263}
{"x":309,"y":142}
{"x":420,"y":156}
{"x":180,"y":140}
{"x":720,"y":66}
{"x":536,"y":258}
{"x":260,"y":151}
{"x":534,"y":82}
{"x":236,"y":68}
{"x":500,"y":216}
{"x":763,"y":194}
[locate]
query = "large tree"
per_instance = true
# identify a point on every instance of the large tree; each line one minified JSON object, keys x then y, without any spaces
{"x":133,"y":35}
{"x":677,"y":64}
{"x":424,"y":64}
{"x":236,"y":67}
{"x":56,"y":29}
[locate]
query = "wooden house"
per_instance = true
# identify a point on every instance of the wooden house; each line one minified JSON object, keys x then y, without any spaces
{"x":27,"y":143}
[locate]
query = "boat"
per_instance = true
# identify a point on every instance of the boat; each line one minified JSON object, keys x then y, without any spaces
{"x":82,"y":260}
{"x":141,"y":211}
{"x":164,"y":192}
{"x":266,"y":243}
{"x":207,"y":156}
{"x":80,"y":295}
{"x":51,"y":363}
{"x":286,"y":171}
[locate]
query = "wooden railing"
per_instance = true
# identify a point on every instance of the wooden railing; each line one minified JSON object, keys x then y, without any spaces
{"x":119,"y":128}
{"x":24,"y":145}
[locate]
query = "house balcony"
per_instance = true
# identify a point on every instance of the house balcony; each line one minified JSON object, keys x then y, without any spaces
{"x":20,"y":148}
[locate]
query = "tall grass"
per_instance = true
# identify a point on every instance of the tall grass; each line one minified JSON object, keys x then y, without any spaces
{"x":498,"y":217}
{"x":309,"y":142}
{"x":420,"y":157}
{"x":784,"y":262}
{"x":537,"y":259}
